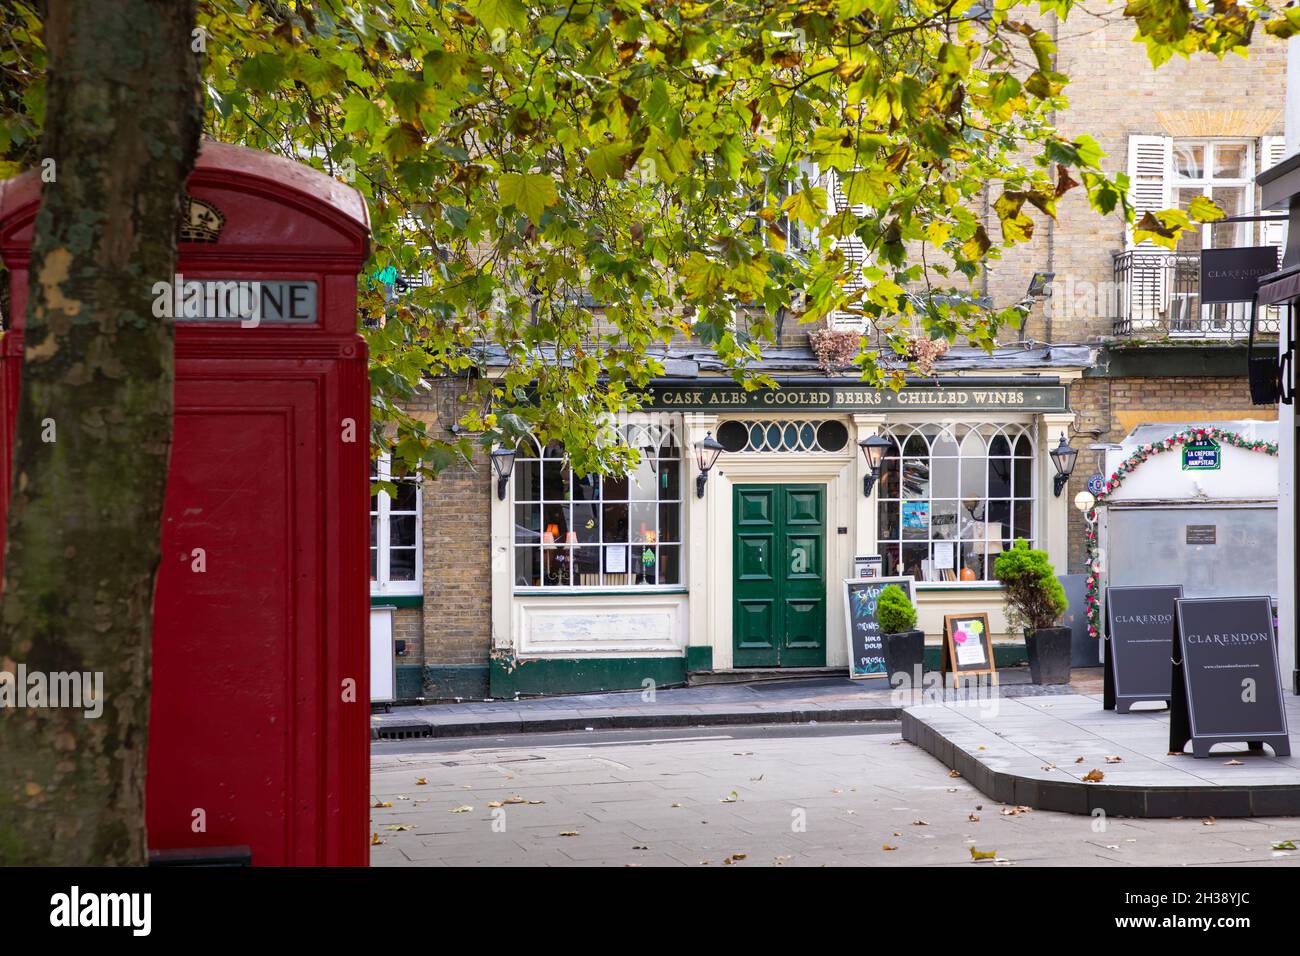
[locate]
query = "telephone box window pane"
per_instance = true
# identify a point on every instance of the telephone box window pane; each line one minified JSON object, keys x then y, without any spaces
{"x":374,"y":564}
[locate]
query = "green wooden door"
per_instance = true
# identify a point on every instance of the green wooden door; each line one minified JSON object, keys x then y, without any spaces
{"x":779,"y":576}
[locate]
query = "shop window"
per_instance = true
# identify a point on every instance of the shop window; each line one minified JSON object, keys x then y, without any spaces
{"x":783,"y":435}
{"x":593,"y":531}
{"x":395,"y":545}
{"x":953,"y":497}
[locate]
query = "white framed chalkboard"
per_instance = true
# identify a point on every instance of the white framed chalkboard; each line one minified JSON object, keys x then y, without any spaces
{"x":862,"y":627}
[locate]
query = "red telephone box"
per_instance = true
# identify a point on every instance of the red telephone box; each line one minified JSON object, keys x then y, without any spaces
{"x":259,"y":729}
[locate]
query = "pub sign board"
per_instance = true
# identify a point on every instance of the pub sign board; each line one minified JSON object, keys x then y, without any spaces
{"x":865,"y":636}
{"x":1232,"y":275}
{"x":1226,"y":685}
{"x":854,"y":396}
{"x":1139,"y":644}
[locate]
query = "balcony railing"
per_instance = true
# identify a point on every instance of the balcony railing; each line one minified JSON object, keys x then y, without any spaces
{"x":1158,"y":294}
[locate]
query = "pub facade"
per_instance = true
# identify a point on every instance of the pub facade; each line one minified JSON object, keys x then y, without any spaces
{"x":745,"y":568}
{"x":692,"y":566}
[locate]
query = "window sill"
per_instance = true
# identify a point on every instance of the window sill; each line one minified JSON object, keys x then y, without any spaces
{"x":958,"y":586}
{"x":598,"y":592}
{"x":396,"y":600}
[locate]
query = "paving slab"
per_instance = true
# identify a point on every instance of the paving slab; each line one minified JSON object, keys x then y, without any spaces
{"x":1037,"y":751}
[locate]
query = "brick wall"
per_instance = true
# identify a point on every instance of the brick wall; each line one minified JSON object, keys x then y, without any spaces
{"x":1115,"y":92}
{"x":456,"y":527}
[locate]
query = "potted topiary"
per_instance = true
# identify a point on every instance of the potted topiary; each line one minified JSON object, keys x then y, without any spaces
{"x":1035,"y":602}
{"x":904,"y":645}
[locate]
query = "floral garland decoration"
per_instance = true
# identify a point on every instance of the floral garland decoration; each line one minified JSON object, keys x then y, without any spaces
{"x":1126,"y":468}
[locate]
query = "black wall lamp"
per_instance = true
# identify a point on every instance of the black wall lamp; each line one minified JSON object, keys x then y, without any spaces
{"x":873,"y":450}
{"x":1063,"y":457}
{"x":707,"y":451}
{"x":503,"y":463}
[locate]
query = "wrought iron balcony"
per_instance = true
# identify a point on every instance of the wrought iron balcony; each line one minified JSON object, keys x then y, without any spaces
{"x":1157,"y":295}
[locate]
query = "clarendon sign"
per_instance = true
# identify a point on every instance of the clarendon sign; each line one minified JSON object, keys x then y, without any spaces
{"x":977,"y":398}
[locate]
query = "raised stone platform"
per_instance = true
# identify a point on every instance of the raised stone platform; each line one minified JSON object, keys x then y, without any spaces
{"x":1026,"y":751}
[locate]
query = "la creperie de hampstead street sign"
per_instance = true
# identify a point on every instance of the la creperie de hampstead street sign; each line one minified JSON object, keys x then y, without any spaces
{"x":854,"y":397}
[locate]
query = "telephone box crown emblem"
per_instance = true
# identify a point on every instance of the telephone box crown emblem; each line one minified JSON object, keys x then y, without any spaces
{"x":202,"y":221}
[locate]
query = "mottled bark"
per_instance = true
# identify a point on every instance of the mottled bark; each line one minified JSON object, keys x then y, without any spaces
{"x":82,"y":548}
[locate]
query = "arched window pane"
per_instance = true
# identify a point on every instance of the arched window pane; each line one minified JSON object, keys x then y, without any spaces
{"x":963,"y":492}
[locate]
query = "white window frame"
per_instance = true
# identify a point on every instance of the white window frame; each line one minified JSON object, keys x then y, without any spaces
{"x":1208,"y":181}
{"x":637,"y":428}
{"x":899,"y":432}
{"x":382,"y":586}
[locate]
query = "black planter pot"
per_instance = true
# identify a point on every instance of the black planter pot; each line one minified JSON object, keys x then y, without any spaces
{"x":1049,"y":655}
{"x":904,"y":652}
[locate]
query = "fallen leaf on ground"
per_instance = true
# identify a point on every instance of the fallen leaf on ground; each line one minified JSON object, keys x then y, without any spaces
{"x":982,"y":854}
{"x":1234,"y":763}
{"x":1078,"y":760}
{"x":735,"y":857}
{"x":465,"y":809}
{"x":886,"y":847}
{"x":730,"y":798}
{"x":568,"y":833}
{"x":1094,"y":776}
{"x":375,"y":841}
{"x":1284,"y":845}
{"x":380,"y":803}
{"x":422,"y":782}
{"x":640,"y":848}
{"x":1209,"y":822}
{"x":400,"y":826}
{"x":953,"y":773}
{"x":676,"y":806}
{"x":1114,"y":759}
{"x":973,"y":818}
{"x":1012,"y":811}
{"x":919,"y":823}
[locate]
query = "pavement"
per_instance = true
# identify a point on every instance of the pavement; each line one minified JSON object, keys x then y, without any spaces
{"x":783,"y":795}
{"x":798,"y":701}
{"x":1068,"y":753}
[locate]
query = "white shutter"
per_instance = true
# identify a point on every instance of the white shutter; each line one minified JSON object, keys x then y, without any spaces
{"x":1150,"y":171}
{"x":853,"y":249}
{"x":1272,"y":151}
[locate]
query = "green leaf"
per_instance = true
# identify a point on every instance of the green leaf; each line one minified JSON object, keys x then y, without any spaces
{"x":500,"y":14}
{"x":530,"y":193}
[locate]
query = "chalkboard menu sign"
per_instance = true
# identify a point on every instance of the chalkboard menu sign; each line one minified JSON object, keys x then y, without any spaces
{"x":967,"y":645}
{"x":1226,"y":687}
{"x":1139,"y":645}
{"x":866,"y":649}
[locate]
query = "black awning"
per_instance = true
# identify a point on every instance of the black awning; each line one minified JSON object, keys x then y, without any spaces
{"x":1280,"y":290}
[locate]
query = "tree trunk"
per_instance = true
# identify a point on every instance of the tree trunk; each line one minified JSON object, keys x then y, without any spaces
{"x":94,"y":427}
